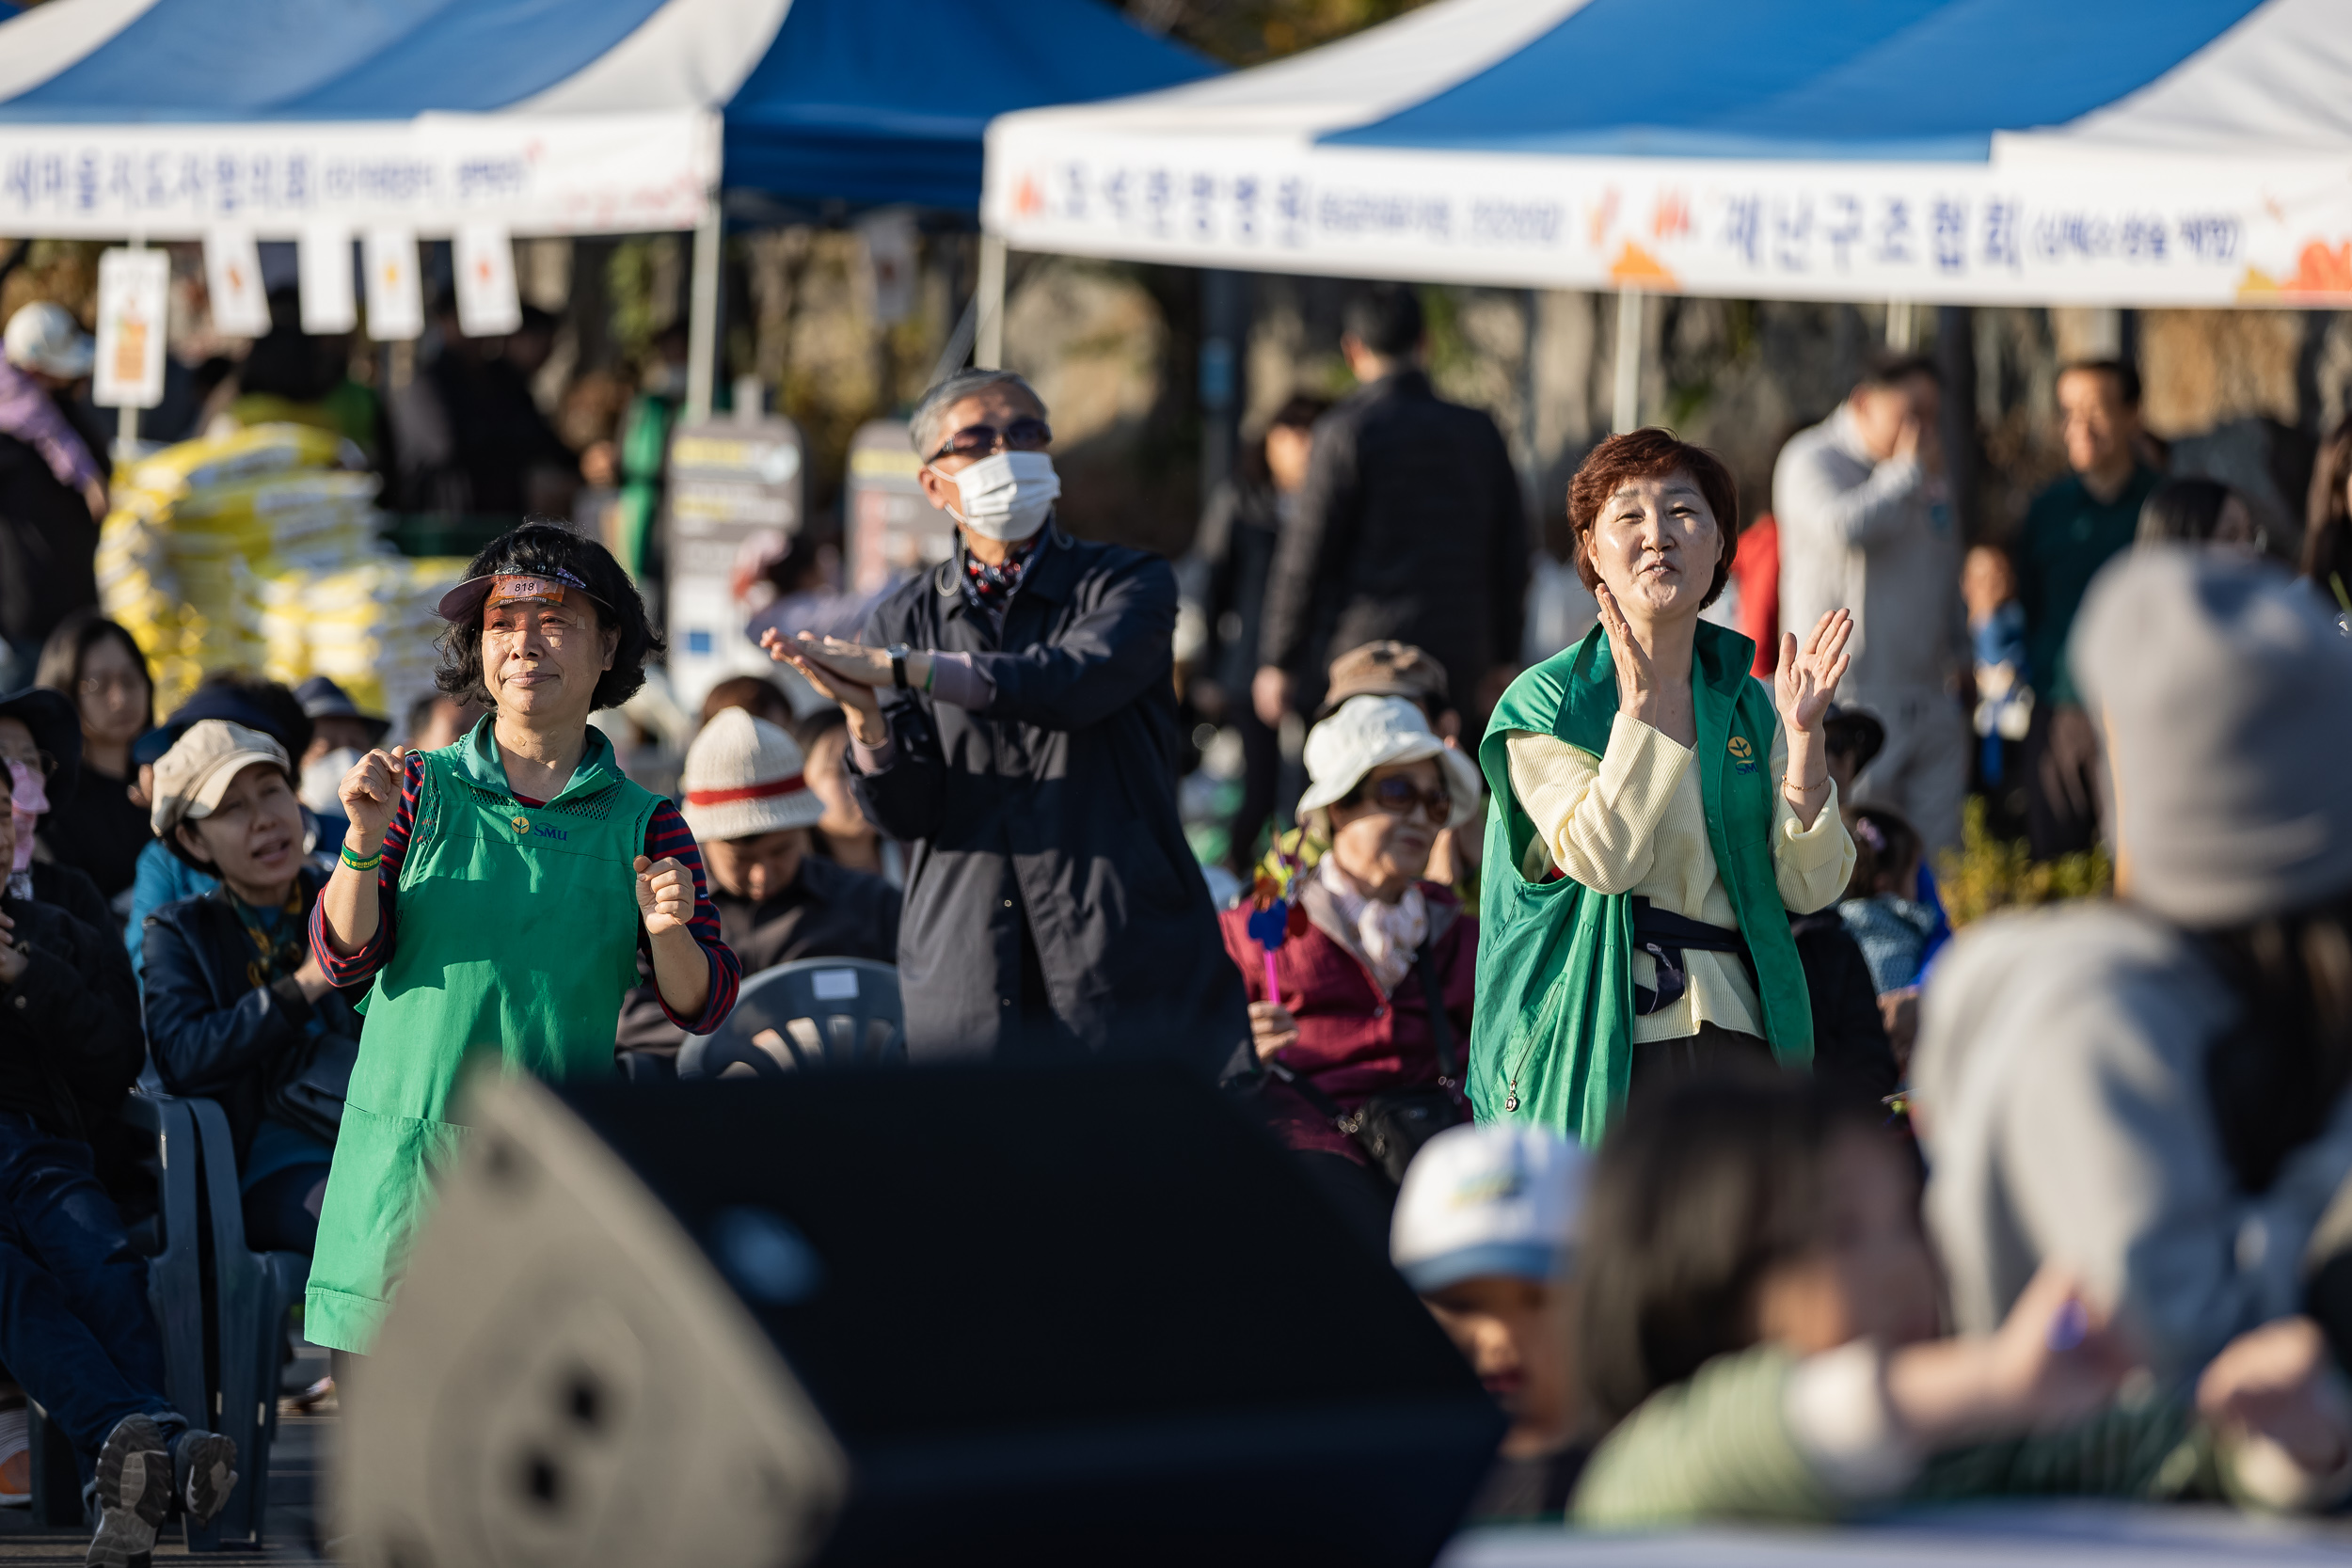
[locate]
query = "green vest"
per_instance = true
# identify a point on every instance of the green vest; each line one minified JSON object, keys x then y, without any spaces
{"x":516,"y":940}
{"x":1553,"y":1039}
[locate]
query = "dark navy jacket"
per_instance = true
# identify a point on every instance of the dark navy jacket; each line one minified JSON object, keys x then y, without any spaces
{"x":211,"y":1030}
{"x":1048,"y":820}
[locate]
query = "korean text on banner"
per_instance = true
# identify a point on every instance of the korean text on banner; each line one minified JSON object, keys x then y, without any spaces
{"x":395,"y":291}
{"x":487,"y":304}
{"x":329,"y":303}
{"x":232,"y":276}
{"x":133,"y":300}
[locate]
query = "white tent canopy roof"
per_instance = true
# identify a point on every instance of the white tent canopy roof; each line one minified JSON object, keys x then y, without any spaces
{"x":2106,"y":152}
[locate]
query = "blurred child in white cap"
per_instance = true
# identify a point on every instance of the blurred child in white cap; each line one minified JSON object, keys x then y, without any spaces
{"x":779,"y":899}
{"x":1486,"y":1227}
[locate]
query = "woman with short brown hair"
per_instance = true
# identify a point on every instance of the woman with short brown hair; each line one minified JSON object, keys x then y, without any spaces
{"x":1657,"y":813}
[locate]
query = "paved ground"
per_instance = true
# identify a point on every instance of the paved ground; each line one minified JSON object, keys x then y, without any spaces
{"x":295,"y":1463}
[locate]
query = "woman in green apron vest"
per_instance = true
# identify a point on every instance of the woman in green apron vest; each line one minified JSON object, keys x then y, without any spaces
{"x":1657,"y":813}
{"x":499,"y":892}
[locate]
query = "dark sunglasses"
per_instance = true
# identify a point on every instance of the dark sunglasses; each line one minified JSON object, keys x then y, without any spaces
{"x":978,"y":440}
{"x":1401,"y":797}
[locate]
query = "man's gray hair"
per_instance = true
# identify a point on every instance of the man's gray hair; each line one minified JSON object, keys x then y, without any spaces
{"x":923,"y":424}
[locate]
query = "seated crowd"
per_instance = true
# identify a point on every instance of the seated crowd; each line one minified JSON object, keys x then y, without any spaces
{"x":1696,"y":1262}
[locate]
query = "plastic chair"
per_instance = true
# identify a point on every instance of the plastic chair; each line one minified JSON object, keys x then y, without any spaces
{"x":812,"y":1014}
{"x":175,"y":1290}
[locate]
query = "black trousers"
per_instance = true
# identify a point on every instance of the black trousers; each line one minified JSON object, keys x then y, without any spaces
{"x":1713,"y":1050}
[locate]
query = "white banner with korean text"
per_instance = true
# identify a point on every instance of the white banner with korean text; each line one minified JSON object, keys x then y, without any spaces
{"x":533,"y":174}
{"x":2122,"y":232}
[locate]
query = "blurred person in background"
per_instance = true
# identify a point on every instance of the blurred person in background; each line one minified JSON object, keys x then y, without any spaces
{"x":439,"y":720}
{"x":238,"y":1009}
{"x":2328,"y":520}
{"x":468,"y":438}
{"x":1373,"y":998}
{"x":41,"y":748}
{"x":341,"y":735}
{"x":78,"y":1331}
{"x":637,"y":461}
{"x":1410,"y":525}
{"x":842,"y":834}
{"x":52,"y":483}
{"x":2150,"y":1091}
{"x":1757,"y":1319}
{"x":756,"y":696}
{"x":1485,"y":1233}
{"x":95,"y":824}
{"x":1662,"y":813}
{"x":750,"y":809}
{"x":292,"y":376}
{"x":2073,"y":529}
{"x":1865,"y":523}
{"x":2004,"y":677}
{"x":1225,"y":581}
{"x":2200,"y":512}
{"x":1012,"y":719}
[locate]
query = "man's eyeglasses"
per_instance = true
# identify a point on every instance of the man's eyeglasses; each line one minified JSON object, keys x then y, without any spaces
{"x":979,"y":440}
{"x":1402,"y":798}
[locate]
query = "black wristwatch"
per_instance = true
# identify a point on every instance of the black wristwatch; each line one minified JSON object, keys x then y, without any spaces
{"x":898,"y":652}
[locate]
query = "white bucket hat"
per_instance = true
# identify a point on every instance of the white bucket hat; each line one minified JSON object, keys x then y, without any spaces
{"x":743,"y":778}
{"x":1375,"y":732}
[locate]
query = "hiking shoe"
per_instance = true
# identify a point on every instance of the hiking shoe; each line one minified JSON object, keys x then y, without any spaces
{"x":204,"y":1462}
{"x":133,"y":1493}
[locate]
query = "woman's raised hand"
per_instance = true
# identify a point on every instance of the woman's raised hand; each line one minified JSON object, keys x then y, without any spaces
{"x":1805,"y":682}
{"x":1637,"y":675}
{"x":371,"y":793}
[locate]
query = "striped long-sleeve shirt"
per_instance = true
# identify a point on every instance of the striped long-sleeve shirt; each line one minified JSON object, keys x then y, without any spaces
{"x":666,"y":834}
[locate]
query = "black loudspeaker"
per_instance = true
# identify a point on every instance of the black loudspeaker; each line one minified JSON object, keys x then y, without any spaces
{"x":1071,"y":1315}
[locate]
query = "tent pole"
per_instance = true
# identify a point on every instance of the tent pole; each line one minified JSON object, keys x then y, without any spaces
{"x":988,"y":343}
{"x":1624,"y":411}
{"x":702,"y":326}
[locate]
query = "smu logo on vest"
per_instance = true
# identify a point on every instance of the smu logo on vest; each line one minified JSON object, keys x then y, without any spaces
{"x":522,"y":826}
{"x":1742,"y":754}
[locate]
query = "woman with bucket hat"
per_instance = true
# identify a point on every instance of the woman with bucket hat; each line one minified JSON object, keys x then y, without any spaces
{"x":1360,"y":990}
{"x":498,"y":891}
{"x":751,"y":808}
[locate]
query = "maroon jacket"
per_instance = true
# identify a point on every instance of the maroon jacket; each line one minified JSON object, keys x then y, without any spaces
{"x":1353,"y":1042}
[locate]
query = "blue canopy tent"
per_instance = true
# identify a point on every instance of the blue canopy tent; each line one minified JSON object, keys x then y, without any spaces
{"x":165,"y":118}
{"x":2102,"y":152}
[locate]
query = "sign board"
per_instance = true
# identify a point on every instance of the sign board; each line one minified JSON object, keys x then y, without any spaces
{"x":330,"y":305}
{"x":731,"y":482}
{"x":395,"y":285}
{"x":232,"y":276}
{"x":133,"y":302}
{"x":487,"y":303}
{"x":894,"y":529}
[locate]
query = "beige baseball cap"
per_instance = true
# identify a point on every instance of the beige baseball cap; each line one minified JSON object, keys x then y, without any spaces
{"x":191,"y":778}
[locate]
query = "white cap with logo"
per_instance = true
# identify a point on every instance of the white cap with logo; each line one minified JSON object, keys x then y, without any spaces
{"x":45,"y":338}
{"x":1500,"y":1198}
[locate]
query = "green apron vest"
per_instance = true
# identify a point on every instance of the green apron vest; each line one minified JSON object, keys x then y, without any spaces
{"x":1552,"y":1041}
{"x":517,"y":940}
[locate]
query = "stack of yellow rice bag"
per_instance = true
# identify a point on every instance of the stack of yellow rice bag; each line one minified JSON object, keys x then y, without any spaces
{"x":261,"y":551}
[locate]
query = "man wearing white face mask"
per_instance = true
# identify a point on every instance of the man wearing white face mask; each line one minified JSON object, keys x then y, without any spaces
{"x":341,"y":735}
{"x":1012,"y":719}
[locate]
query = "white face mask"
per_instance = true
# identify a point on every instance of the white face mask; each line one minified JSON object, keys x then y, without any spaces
{"x":323,"y":780}
{"x":1006,"y":497}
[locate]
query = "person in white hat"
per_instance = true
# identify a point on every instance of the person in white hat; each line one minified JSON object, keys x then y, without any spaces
{"x":750,"y":809}
{"x":1344,"y":1011}
{"x":1486,"y":1227}
{"x":52,"y":483}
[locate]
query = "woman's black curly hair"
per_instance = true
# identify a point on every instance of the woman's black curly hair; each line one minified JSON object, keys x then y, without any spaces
{"x":542,"y":544}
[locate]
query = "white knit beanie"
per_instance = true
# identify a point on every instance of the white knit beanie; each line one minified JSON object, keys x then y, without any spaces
{"x":743,"y":778}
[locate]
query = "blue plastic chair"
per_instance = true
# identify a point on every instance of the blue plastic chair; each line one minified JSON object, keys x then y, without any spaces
{"x":816,"y":1014}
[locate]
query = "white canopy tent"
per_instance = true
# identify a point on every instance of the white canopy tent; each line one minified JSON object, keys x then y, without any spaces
{"x":2105,"y":152}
